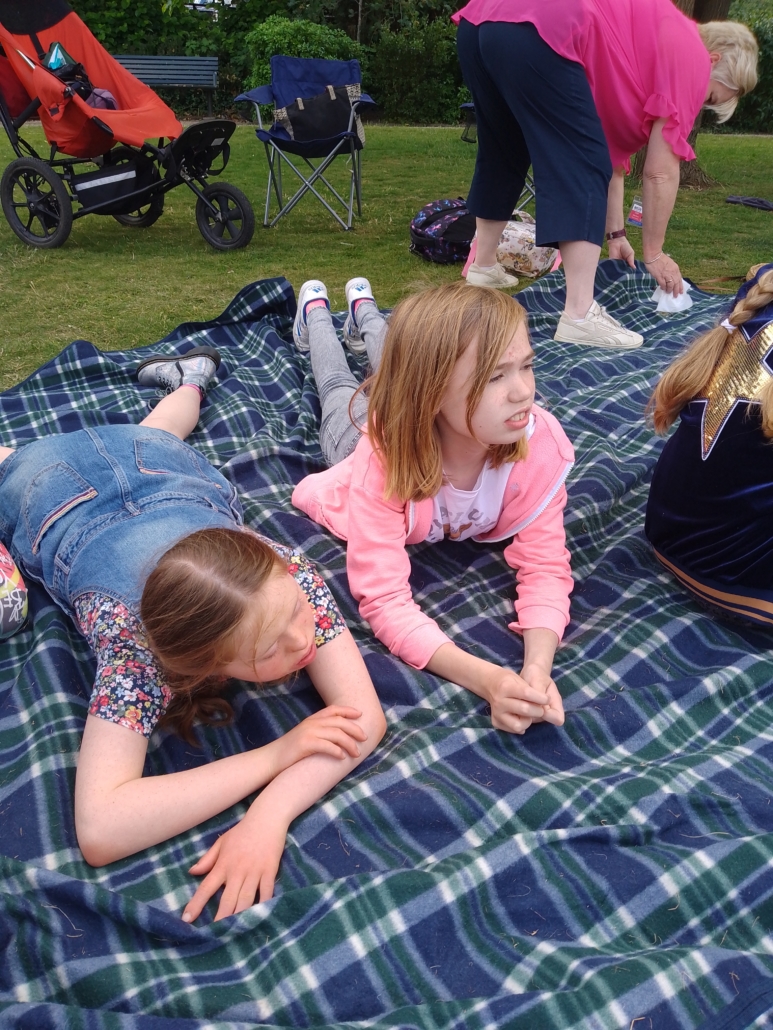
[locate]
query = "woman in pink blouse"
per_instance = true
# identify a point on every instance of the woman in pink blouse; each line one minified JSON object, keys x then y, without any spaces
{"x":574,"y":88}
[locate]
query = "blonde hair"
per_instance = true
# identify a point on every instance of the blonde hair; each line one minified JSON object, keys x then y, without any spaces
{"x":688,"y":376}
{"x":426,"y":335}
{"x":192,"y":604}
{"x":737,"y":67}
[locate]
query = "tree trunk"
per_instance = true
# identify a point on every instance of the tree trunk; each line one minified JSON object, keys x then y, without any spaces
{"x":691,"y":175}
{"x":711,"y":10}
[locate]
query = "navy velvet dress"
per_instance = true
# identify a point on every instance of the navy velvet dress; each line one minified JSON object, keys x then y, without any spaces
{"x":710,"y":509}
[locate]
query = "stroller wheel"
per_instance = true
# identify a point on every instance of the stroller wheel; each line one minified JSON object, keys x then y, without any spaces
{"x":36,"y":203}
{"x":232,"y":222}
{"x":144,"y":216}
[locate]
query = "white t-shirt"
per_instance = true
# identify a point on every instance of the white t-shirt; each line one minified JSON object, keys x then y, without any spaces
{"x":461,"y":514}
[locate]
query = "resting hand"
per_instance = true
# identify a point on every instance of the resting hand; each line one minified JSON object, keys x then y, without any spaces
{"x":666,"y":272}
{"x":244,"y":861}
{"x":515,"y":703}
{"x":332,"y":731}
{"x":621,"y":250}
{"x":537,"y":678}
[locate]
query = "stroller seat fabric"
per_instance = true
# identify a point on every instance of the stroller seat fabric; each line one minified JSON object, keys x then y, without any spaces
{"x":78,"y":128}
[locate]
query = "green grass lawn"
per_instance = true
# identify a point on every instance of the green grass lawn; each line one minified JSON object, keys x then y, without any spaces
{"x":121,"y":287}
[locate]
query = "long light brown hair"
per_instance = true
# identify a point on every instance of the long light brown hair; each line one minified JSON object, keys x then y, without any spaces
{"x":426,"y":335}
{"x":688,"y":376}
{"x":193,"y":602}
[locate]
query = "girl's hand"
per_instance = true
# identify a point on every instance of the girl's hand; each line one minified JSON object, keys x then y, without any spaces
{"x":536,"y":677}
{"x":245,"y":861}
{"x":515,"y":703}
{"x":621,"y":250}
{"x":666,"y":272}
{"x":333,"y":731}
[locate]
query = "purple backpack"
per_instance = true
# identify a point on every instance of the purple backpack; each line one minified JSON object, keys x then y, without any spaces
{"x":442,"y":231}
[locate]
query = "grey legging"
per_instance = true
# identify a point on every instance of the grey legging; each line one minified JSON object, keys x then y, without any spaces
{"x":336,"y":385}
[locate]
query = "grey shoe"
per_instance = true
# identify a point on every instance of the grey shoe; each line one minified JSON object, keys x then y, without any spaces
{"x":196,"y":367}
{"x":597,"y":329}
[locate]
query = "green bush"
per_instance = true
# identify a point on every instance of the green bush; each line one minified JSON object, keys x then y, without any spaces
{"x":278,"y":35}
{"x":755,"y":111}
{"x":143,"y":27}
{"x":414,"y":75}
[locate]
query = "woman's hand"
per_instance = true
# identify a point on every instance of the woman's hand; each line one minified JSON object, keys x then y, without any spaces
{"x":666,"y":272}
{"x":244,"y":861}
{"x":621,"y":250}
{"x":331,"y":731}
{"x":660,"y":184}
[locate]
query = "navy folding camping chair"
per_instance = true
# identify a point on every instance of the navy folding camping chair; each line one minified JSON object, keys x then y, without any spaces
{"x":316,"y":105}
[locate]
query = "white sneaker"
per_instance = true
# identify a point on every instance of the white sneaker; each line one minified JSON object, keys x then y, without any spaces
{"x":496,"y":278}
{"x":597,"y":329}
{"x":356,"y":289}
{"x":313,"y":289}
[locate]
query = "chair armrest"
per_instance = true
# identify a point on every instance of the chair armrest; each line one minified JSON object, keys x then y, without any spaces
{"x":259,"y":95}
{"x":368,"y":101}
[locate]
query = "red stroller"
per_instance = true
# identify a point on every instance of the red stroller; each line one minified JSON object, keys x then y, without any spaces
{"x":96,"y":113}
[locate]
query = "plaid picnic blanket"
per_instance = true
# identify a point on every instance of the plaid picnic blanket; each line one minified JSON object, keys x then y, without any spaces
{"x":616,"y":872}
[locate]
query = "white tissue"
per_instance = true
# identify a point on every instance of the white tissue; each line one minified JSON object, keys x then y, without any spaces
{"x":668,"y":303}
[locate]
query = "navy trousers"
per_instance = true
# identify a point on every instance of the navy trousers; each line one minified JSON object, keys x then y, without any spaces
{"x":534,"y":107}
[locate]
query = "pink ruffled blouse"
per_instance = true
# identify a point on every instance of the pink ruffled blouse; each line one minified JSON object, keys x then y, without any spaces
{"x":644,"y":60}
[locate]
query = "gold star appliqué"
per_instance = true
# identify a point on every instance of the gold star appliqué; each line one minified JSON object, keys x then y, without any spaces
{"x":737,"y":379}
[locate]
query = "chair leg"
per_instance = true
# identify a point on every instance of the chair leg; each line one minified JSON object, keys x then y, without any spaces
{"x":274,"y":158}
{"x":358,"y":157}
{"x":352,"y":188}
{"x":318,"y":175}
{"x":308,"y":185}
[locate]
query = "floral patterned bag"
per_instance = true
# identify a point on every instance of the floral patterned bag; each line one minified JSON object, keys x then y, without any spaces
{"x":518,"y":253}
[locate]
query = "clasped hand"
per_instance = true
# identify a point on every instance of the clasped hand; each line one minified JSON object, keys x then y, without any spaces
{"x":518,"y":701}
{"x":245,"y":859}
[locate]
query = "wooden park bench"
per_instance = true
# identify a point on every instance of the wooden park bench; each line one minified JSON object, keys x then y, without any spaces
{"x":173,"y":71}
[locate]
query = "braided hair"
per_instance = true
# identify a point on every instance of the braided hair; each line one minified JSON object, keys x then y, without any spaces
{"x":687,"y":377}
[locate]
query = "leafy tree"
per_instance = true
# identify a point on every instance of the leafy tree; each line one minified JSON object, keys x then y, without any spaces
{"x":278,"y":35}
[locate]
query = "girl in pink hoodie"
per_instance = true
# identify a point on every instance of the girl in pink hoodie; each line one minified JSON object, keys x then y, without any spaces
{"x":456,"y":447}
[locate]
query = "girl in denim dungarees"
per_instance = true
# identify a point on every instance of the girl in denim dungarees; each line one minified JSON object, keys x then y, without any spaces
{"x":142,"y":543}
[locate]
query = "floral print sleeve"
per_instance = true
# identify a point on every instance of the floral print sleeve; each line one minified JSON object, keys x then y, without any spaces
{"x":129,"y":687}
{"x":328,"y":618}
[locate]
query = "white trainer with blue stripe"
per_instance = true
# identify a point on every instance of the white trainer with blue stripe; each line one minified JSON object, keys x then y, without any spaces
{"x":356,"y":289}
{"x":312,"y":289}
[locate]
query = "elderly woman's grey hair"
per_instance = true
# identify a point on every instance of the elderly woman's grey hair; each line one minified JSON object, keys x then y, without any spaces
{"x":737,"y":67}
